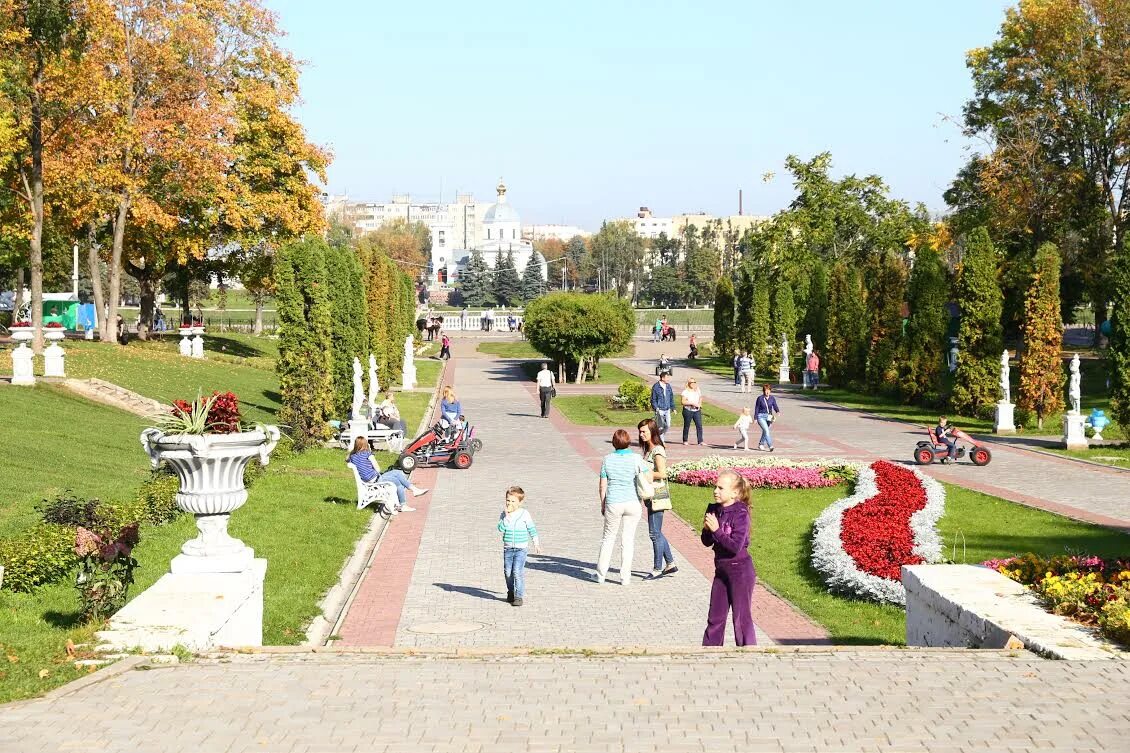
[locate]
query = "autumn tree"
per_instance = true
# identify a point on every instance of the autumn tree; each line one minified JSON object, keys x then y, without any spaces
{"x":409,"y":244}
{"x":980,"y":339}
{"x":1041,"y":365}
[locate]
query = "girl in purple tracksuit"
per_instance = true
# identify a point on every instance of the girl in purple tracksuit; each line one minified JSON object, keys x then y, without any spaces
{"x":726,"y":528}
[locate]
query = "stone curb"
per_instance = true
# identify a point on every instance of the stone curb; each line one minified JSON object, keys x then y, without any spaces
{"x":105,"y":673}
{"x":606,"y":651}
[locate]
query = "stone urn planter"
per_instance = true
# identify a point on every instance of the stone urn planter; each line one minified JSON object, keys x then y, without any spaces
{"x":210,"y":468}
{"x":23,"y":372}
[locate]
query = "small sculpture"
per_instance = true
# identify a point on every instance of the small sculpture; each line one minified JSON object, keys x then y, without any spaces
{"x":784,"y":352}
{"x":808,"y":346}
{"x":1006,"y":391}
{"x":358,"y":390}
{"x":1073,"y":387}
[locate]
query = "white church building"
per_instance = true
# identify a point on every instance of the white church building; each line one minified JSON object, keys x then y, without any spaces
{"x":501,"y":233}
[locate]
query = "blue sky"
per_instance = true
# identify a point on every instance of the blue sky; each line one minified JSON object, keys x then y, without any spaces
{"x":592,"y":109}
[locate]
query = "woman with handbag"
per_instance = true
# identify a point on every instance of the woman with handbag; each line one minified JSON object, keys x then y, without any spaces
{"x":652,"y":488}
{"x":619,"y":506}
{"x":764,"y":409}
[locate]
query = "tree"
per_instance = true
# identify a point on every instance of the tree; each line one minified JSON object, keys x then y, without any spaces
{"x":579,"y":329}
{"x":980,"y":338}
{"x":507,"y":283}
{"x":305,"y":363}
{"x":920,"y":371}
{"x":1119,"y":353}
{"x":475,"y":283}
{"x":887,"y":290}
{"x":576,"y":252}
{"x":349,"y":321}
{"x":663,"y":287}
{"x":409,"y":244}
{"x":760,"y":342}
{"x":743,"y":318}
{"x":702,"y":267}
{"x":846,"y":350}
{"x":1041,"y":366}
{"x":619,"y":251}
{"x":724,"y":316}
{"x":816,"y":307}
{"x":784,"y":316}
{"x":533,"y":283}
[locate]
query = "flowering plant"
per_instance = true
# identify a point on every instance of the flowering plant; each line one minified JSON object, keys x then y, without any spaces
{"x":764,"y":478}
{"x":217,"y":414}
{"x":106,"y":567}
{"x":21,"y":324}
{"x":861,"y":542}
{"x":54,"y":325}
{"x":838,"y":468}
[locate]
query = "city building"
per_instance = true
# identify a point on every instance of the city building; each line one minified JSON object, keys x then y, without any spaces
{"x":650,"y":226}
{"x":555,"y":232}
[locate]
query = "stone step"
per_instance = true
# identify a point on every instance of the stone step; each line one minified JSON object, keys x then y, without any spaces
{"x":114,"y":395}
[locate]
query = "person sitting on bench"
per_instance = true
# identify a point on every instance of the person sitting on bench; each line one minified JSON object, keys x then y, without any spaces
{"x":362,"y":459}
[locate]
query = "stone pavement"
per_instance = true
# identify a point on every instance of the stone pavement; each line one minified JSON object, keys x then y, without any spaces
{"x":809,"y":427}
{"x":900,"y":701}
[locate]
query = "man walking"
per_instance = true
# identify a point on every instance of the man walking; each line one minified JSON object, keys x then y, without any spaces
{"x":545,"y":388}
{"x":662,"y":401}
{"x":737,"y":368}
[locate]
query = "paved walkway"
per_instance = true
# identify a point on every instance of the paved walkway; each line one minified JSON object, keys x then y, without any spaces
{"x":455,"y":595}
{"x":848,"y":700}
{"x":815,"y":428}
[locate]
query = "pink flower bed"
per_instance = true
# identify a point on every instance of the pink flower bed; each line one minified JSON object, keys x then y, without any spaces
{"x":764,"y":478}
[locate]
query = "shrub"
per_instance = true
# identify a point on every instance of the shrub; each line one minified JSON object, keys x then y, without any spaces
{"x":980,"y":335}
{"x":1114,"y":619}
{"x":724,"y":313}
{"x":1041,"y":368}
{"x":69,"y":510}
{"x":42,"y":555}
{"x":634,"y":395}
{"x":106,"y":566}
{"x":158,"y":499}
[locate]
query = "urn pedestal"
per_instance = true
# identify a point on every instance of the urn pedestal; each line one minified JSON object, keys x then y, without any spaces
{"x":185,"y":346}
{"x":1074,"y":433}
{"x":198,"y":342}
{"x":1004,"y":423}
{"x":23,"y":360}
{"x":782,"y":374}
{"x":53,"y":354}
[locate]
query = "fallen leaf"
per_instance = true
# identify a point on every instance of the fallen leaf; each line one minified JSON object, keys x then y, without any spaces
{"x":70,"y":647}
{"x":13,"y":658}
{"x":43,"y":673}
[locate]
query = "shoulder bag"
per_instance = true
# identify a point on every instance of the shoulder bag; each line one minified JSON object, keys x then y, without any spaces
{"x":645,"y":487}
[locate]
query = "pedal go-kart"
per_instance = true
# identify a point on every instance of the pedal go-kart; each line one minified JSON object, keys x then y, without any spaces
{"x":442,"y":444}
{"x":926,"y":453}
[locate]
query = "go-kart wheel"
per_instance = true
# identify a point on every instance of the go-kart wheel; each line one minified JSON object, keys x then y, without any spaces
{"x":463,"y":460}
{"x":407,"y":463}
{"x":476,"y":444}
{"x":924,"y":456}
{"x":981,"y":456}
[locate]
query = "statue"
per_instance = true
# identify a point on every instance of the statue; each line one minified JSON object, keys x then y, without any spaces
{"x":408,"y":370}
{"x":784,"y":352}
{"x":358,"y":391}
{"x":374,"y":385}
{"x":1073,"y":387}
{"x":808,"y":346}
{"x":1006,"y":390}
{"x":409,"y":351}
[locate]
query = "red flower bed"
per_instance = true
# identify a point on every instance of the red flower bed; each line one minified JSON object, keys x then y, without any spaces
{"x":223,"y":416}
{"x":876,"y":533}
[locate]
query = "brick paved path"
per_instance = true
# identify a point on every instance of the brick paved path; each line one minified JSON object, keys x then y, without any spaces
{"x":810,"y":427}
{"x":849,"y":700}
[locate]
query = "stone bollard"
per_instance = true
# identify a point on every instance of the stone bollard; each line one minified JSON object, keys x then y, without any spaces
{"x":23,"y":371}
{"x":198,"y":342}
{"x":53,"y":355}
{"x":186,"y":341}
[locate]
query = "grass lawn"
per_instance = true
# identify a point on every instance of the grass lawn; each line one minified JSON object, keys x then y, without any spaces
{"x":676,"y":317}
{"x":1118,"y":456}
{"x":523,"y":349}
{"x":976,"y":527}
{"x":593,"y":410}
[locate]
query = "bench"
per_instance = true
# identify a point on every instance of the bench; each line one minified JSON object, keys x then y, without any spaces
{"x":382,"y":493}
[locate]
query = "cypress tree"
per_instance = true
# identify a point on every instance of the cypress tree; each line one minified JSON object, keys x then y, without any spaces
{"x":724,"y":316}
{"x":1041,"y":367}
{"x":846,"y":351}
{"x":743,"y":319}
{"x":476,"y":281}
{"x":980,"y":337}
{"x":816,"y":307}
{"x":1118,"y":354}
{"x":760,"y":345}
{"x":507,"y":283}
{"x":920,"y":373}
{"x":349,"y":321}
{"x":533,"y":284}
{"x":888,"y":288}
{"x":305,"y":363}
{"x":784,"y":319}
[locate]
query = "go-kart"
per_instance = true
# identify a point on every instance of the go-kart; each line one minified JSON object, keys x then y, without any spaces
{"x":926,"y":452}
{"x":442,"y":444}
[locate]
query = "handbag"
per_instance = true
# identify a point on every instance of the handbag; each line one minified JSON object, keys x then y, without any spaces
{"x":645,"y":487}
{"x":553,"y":392}
{"x":662,"y":498}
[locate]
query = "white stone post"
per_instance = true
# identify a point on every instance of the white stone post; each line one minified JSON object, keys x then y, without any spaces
{"x":53,"y":355}
{"x":23,"y":370}
{"x":186,"y":341}
{"x":198,"y":342}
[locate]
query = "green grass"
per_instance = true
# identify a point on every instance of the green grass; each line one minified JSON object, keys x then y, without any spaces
{"x":976,"y":527}
{"x":1117,"y":456}
{"x":593,"y":410}
{"x":676,"y":317}
{"x":523,"y":349}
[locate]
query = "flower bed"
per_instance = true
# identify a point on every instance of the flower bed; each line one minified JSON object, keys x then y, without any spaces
{"x":861,"y":542}
{"x":764,"y":478}
{"x":1090,"y":590}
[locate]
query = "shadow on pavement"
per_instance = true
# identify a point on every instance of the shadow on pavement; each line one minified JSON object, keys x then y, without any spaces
{"x":563,"y":566}
{"x":478,"y":593}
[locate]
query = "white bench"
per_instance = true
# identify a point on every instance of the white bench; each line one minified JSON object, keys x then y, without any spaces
{"x":382,"y":493}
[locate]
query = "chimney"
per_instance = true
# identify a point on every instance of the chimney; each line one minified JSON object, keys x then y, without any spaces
{"x":739,"y":202}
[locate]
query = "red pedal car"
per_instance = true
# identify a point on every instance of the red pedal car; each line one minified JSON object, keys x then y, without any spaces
{"x":926,"y":453}
{"x":441,"y":445}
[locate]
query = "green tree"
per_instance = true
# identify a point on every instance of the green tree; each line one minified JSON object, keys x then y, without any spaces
{"x":784,"y":317}
{"x":701,"y":269}
{"x":980,"y":337}
{"x":476,"y":283}
{"x":743,"y":316}
{"x":305,"y":363}
{"x":533,"y":283}
{"x":349,"y":321}
{"x":761,"y":345}
{"x":887,"y":288}
{"x":618,"y":252}
{"x":507,"y":283}
{"x":1041,"y":367}
{"x":920,"y":372}
{"x":816,"y":306}
{"x":724,"y":316}
{"x":664,"y":288}
{"x":1118,"y":355}
{"x":576,"y":329}
{"x":846,"y":350}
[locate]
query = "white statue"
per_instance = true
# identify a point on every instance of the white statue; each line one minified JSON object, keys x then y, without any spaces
{"x":808,"y":346}
{"x":374,"y":385}
{"x":358,"y":390}
{"x":409,"y":351}
{"x":784,"y":352}
{"x":1006,"y":391}
{"x":408,"y":371}
{"x":1073,"y":386}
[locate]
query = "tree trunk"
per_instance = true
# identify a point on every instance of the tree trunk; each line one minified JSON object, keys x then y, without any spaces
{"x":257,"y":328}
{"x":148,"y":303}
{"x":18,"y":301}
{"x":35,"y":251}
{"x":109,"y":330}
{"x":1100,"y":318}
{"x":96,"y":280}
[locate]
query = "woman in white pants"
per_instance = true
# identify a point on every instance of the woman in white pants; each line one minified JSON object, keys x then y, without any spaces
{"x":619,"y":505}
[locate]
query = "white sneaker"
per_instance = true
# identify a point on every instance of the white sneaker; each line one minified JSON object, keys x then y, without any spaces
{"x":418,"y":492}
{"x":406,"y":508}
{"x":394,"y":510}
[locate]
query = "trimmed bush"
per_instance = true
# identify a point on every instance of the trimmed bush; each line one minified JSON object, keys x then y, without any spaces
{"x":924,"y":356}
{"x":633,"y":395}
{"x":980,"y":335}
{"x":724,"y":314}
{"x":1041,"y":368}
{"x":44,"y":554}
{"x":158,"y":499}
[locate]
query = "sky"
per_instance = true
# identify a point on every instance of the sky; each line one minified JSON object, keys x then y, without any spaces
{"x":592,"y":109}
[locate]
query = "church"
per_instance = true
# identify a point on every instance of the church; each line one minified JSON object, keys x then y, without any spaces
{"x":500,"y":233}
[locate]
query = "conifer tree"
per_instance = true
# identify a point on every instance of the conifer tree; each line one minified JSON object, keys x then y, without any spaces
{"x":743,"y":318}
{"x":920,"y":372}
{"x":846,"y":351}
{"x":784,"y":319}
{"x":1041,"y":367}
{"x":816,"y":307}
{"x":476,"y":281}
{"x":1118,"y":354}
{"x":533,"y":284}
{"x":724,"y":316}
{"x":980,"y":336}
{"x":887,"y":291}
{"x":305,"y":363}
{"x":507,"y":283}
{"x":760,"y":345}
{"x":350,"y":328}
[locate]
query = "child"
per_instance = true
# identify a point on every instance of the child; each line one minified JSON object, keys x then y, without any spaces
{"x":726,"y":528}
{"x":944,"y":434}
{"x":517,"y":528}
{"x":742,"y":425}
